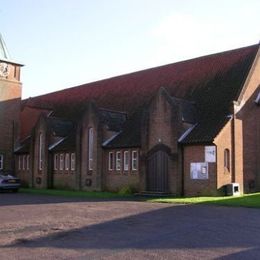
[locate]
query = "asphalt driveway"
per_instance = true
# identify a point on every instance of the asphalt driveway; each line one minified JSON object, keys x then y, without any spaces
{"x":46,"y":227}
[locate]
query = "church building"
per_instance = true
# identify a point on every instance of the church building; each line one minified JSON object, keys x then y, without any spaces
{"x":186,"y":128}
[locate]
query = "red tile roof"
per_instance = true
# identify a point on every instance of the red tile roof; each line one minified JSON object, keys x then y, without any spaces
{"x":191,"y":79}
{"x":124,"y":93}
{"x":29,"y":117}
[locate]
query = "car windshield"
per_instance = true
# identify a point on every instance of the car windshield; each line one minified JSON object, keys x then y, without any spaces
{"x":2,"y":176}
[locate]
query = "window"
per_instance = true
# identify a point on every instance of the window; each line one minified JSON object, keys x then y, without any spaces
{"x":61,"y":161}
{"x":118,"y":161}
{"x":227,"y":159}
{"x":19,"y":162}
{"x":67,"y":161}
{"x":72,"y":161}
{"x":134,"y":160}
{"x":15,"y":68}
{"x":1,"y":161}
{"x":56,"y":161}
{"x":28,"y":162}
{"x":24,"y":162}
{"x":90,"y":148}
{"x":111,"y":161}
{"x":40,"y":151}
{"x":126,"y":161}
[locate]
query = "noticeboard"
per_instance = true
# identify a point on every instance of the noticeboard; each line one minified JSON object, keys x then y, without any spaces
{"x":199,"y":171}
{"x":210,"y":153}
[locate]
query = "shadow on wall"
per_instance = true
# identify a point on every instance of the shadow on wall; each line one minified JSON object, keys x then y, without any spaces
{"x":9,"y":129}
{"x":249,"y":114}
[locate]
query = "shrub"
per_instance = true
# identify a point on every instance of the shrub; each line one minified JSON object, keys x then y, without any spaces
{"x":127,"y":190}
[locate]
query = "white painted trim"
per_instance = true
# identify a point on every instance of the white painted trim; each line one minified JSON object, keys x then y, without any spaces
{"x":134,"y":159}
{"x":186,"y":133}
{"x":73,"y":161}
{"x":1,"y":161}
{"x":40,"y":155}
{"x":67,"y":161}
{"x":126,"y":165}
{"x":240,"y":100}
{"x":118,"y":160}
{"x":55,"y":144}
{"x":111,"y":162}
{"x":111,"y":138}
{"x":257,"y":100}
{"x":90,"y":148}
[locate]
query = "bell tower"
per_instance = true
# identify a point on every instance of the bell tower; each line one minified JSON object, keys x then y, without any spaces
{"x":10,"y":101}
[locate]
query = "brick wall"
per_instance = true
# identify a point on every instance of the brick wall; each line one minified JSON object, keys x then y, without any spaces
{"x":250,"y":140}
{"x":10,"y":98}
{"x":115,"y":180}
{"x":63,"y":177}
{"x":224,"y":141}
{"x":40,"y":176}
{"x":90,"y":179}
{"x":194,"y":187}
{"x":22,"y":168}
{"x":248,"y":131}
{"x":164,"y":126}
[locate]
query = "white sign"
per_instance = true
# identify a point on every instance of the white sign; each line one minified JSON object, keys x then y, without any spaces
{"x":199,"y":171}
{"x":210,"y":154}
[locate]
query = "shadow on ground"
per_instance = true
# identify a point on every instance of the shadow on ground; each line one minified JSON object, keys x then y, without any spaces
{"x":174,"y":227}
{"x":12,"y":199}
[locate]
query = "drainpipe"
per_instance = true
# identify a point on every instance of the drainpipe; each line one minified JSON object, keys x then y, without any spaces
{"x":233,"y":142}
{"x":13,"y":146}
{"x":258,"y":157}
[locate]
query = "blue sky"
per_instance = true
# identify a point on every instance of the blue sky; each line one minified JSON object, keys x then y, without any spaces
{"x":64,"y":43}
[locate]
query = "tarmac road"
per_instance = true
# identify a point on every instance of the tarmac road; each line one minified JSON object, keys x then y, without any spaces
{"x":46,"y":227}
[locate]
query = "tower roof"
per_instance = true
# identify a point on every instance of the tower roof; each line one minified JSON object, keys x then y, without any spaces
{"x":4,"y":54}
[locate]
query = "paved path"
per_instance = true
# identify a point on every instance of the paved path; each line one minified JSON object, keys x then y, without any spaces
{"x":45,"y":227}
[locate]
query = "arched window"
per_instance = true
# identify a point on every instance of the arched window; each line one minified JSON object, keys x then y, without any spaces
{"x":72,"y":161}
{"x":56,"y":161}
{"x":2,"y":161}
{"x":111,"y":161}
{"x":67,"y":161}
{"x":227,"y":159}
{"x":61,"y":161}
{"x":90,"y":148}
{"x":40,"y":152}
{"x":134,"y":161}
{"x":28,"y":162}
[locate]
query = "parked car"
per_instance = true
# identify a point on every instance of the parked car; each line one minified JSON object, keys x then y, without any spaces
{"x":9,"y":182}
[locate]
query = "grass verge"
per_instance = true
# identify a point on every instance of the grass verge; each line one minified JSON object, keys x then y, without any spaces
{"x":75,"y":194}
{"x":248,"y":200}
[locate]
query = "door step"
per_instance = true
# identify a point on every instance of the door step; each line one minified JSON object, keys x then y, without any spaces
{"x":153,"y":194}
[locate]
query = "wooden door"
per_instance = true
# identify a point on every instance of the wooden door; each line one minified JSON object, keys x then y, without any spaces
{"x":157,"y":173}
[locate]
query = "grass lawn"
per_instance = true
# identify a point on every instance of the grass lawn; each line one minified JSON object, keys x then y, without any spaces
{"x":78,"y":194}
{"x":249,"y":200}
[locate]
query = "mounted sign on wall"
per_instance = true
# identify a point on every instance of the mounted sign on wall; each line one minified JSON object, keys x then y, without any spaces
{"x":199,"y":171}
{"x":210,"y":153}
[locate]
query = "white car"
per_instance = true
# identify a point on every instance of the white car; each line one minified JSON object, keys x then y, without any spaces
{"x":9,"y":182}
